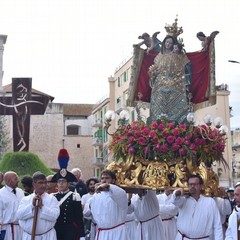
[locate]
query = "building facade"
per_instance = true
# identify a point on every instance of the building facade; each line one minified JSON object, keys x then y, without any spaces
{"x":62,"y":125}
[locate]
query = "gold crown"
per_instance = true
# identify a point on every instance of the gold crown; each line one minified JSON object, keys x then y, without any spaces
{"x":173,"y":30}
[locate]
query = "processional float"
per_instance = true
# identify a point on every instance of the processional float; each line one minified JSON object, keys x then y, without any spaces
{"x":164,"y":152}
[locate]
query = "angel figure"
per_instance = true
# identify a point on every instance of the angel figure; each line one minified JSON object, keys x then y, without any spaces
{"x":206,"y":40}
{"x":152,"y":43}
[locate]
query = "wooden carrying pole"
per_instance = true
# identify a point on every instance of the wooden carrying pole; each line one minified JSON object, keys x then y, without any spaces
{"x":35,"y":221}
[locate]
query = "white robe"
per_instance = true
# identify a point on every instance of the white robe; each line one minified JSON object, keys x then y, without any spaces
{"x":109,"y":210}
{"x":88,"y":214}
{"x":131,"y":226}
{"x":198,"y":219}
{"x":232,"y":230}
{"x":146,"y":210}
{"x":8,"y":207}
{"x":85,"y":198}
{"x":47,"y":216}
{"x":168,"y":212}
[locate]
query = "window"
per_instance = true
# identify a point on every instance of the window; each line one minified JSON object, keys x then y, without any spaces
{"x":73,"y":130}
{"x":98,"y":133}
{"x":133,"y":115}
{"x":96,"y":153}
{"x":125,"y":76}
{"x":105,"y":135}
{"x":125,"y":97}
{"x":119,"y":82}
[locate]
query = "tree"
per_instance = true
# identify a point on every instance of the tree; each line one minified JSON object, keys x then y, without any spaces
{"x":4,"y":139}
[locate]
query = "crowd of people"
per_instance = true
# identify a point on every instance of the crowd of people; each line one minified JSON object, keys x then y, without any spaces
{"x":50,"y":207}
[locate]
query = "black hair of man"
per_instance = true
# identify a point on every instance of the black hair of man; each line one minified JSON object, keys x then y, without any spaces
{"x":91,"y":179}
{"x":38,"y":176}
{"x":110,"y":173}
{"x":196,"y":176}
{"x":27,"y":181}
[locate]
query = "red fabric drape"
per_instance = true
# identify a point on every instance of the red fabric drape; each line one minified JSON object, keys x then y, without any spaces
{"x":200,"y":76}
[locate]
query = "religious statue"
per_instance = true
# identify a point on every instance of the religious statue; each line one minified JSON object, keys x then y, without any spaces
{"x":170,"y":78}
{"x":164,"y":150}
{"x":165,"y":79}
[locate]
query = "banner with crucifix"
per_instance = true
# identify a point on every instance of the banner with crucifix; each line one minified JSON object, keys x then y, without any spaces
{"x":21,"y":103}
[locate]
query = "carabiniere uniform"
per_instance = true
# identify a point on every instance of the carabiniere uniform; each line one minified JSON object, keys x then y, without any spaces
{"x":69,"y":224}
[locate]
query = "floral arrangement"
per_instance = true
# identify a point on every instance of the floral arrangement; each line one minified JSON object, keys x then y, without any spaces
{"x":166,"y":141}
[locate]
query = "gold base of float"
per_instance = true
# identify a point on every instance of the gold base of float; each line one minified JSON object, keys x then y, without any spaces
{"x":137,"y":174}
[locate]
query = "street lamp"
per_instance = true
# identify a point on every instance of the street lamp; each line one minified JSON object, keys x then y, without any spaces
{"x":233,"y":61}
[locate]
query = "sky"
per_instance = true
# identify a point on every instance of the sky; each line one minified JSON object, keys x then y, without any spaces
{"x":70,"y":47}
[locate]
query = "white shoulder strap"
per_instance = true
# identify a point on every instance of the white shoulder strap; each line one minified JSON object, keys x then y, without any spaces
{"x":64,"y":198}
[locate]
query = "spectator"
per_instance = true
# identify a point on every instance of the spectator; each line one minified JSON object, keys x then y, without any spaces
{"x":79,"y":186}
{"x":27,"y":185}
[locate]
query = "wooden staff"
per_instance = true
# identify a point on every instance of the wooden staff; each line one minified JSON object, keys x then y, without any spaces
{"x":35,"y":220}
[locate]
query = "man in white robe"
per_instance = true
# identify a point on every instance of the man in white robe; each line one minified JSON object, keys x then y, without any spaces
{"x":168,"y":212}
{"x":48,"y":211}
{"x":198,"y":217}
{"x":224,"y":207}
{"x":10,"y":196}
{"x":109,"y":208}
{"x":233,"y":230}
{"x":146,"y":209}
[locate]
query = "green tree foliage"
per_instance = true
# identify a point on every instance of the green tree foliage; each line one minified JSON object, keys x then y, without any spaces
{"x":4,"y":140}
{"x":23,"y":163}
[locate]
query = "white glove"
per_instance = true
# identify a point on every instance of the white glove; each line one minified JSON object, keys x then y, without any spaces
{"x":82,"y":238}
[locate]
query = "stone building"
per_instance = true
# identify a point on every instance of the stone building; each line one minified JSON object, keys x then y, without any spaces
{"x":62,"y":125}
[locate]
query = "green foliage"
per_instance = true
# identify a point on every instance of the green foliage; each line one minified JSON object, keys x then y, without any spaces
{"x":4,"y":139}
{"x":23,"y":163}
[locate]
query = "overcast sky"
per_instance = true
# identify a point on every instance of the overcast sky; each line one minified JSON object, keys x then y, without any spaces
{"x":71,"y":47}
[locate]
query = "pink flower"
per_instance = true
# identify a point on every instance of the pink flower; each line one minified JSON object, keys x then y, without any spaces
{"x":176,"y":132}
{"x":193,"y":147}
{"x":131,"y":139}
{"x":183,"y":126}
{"x":142,"y":141}
{"x":152,"y":133}
{"x":164,"y":134}
{"x":182,"y":152}
{"x":170,"y":139}
{"x":160,"y":126}
{"x":202,"y":142}
{"x":170,"y":125}
{"x":154,"y":125}
{"x":137,"y":134}
{"x":197,"y":141}
{"x":164,"y":148}
{"x":158,"y":147}
{"x":155,"y":140}
{"x":131,"y":150}
{"x":146,"y":131}
{"x":175,"y":147}
{"x":179,"y":140}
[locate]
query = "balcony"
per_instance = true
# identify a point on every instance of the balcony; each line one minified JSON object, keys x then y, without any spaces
{"x":97,"y":123}
{"x":97,"y":141}
{"x":119,"y":107}
{"x":98,"y":161}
